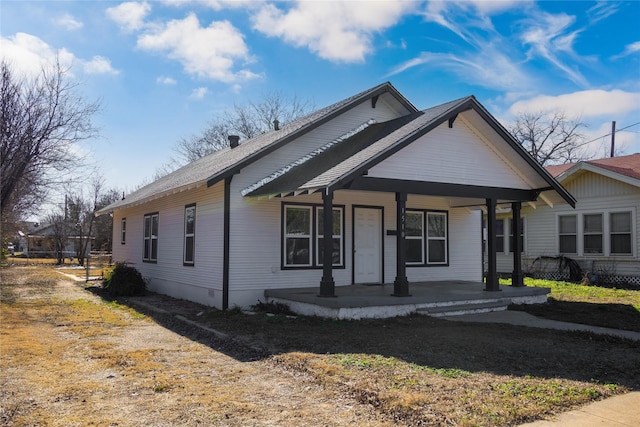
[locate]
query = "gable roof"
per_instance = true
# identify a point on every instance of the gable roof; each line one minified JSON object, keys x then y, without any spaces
{"x":348,"y":158}
{"x":224,"y":163}
{"x":623,"y":168}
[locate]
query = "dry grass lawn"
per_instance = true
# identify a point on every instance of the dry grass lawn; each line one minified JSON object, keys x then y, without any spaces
{"x":72,"y":358}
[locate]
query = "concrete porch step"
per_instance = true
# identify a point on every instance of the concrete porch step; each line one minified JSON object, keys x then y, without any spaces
{"x":465,"y":307}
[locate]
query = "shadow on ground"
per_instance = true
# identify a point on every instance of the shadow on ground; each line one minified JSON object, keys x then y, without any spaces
{"x":498,"y":348}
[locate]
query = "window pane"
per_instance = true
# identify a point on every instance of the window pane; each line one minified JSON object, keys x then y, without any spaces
{"x":188,"y":249}
{"x":298,"y":221}
{"x":154,"y":249}
{"x":154,"y":225}
{"x":593,"y":244}
{"x":413,"y":224}
{"x":147,"y":226}
{"x":190,"y":220}
{"x":500,"y":244}
{"x":499,"y":227}
{"x":593,"y":223}
{"x":337,"y":222}
{"x":298,"y":251}
{"x":621,"y":244}
{"x":568,"y":224}
{"x":621,"y":222}
{"x":436,"y":225}
{"x":437,"y":251}
{"x":568,"y":244}
{"x":414,"y":251}
{"x":147,"y":246}
{"x":336,"y":255}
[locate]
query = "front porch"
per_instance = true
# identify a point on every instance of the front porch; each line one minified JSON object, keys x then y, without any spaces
{"x":435,"y":298}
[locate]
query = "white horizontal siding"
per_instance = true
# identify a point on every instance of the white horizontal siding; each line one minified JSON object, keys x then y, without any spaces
{"x":169,"y":274}
{"x":450,"y":155}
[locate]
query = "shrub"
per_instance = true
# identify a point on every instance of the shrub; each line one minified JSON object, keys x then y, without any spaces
{"x":123,"y":280}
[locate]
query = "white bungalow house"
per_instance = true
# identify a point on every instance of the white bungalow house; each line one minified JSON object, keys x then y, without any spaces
{"x":601,"y":233}
{"x":399,"y":191}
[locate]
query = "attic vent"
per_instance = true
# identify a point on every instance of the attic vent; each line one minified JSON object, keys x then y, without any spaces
{"x":234,"y":140}
{"x":276,"y":125}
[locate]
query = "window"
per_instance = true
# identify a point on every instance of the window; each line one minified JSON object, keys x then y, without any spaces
{"x":567,"y":227}
{"x":123,"y":231}
{"x":426,"y":238}
{"x":592,"y":233}
{"x":500,"y":235}
{"x":414,"y":240}
{"x":437,"y":237}
{"x":303,"y":236}
{"x":189,"y":234}
{"x":620,"y":233}
{"x":150,"y":238}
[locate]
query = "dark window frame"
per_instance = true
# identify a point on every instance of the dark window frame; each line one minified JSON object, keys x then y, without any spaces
{"x":620,"y":233}
{"x":187,"y":235}
{"x":426,"y":239}
{"x":313,"y":237}
{"x":123,"y":231}
{"x":148,"y":254}
{"x":574,"y":234}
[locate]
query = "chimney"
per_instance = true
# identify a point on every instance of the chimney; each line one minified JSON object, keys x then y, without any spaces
{"x":234,"y":140}
{"x":276,"y":125}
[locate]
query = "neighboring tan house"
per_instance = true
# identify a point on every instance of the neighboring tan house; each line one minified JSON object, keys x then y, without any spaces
{"x":40,"y":242}
{"x":601,"y":233}
{"x":399,"y":191}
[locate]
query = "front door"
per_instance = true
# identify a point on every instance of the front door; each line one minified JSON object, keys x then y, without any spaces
{"x":367,"y":245}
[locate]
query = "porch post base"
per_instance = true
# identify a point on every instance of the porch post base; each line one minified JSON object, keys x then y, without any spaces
{"x":327,"y":288}
{"x":401,"y":287}
{"x":492,"y":284}
{"x":517,"y":280}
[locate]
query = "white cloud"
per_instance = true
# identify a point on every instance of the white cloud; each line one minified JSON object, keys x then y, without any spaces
{"x":629,"y":49}
{"x":28,"y":54}
{"x":68,"y":22}
{"x":99,"y":65}
{"x":213,"y":4}
{"x":199,"y":93}
{"x":165,"y":80}
{"x":130,"y":15}
{"x":340,"y":31}
{"x":586,"y":103}
{"x":602,"y":10}
{"x":209,"y":52}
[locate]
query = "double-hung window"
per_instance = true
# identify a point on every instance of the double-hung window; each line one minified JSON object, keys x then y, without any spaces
{"x":150,"y":238}
{"x":568,"y":234}
{"x":521,"y":245}
{"x":426,"y":238}
{"x":500,"y":235}
{"x":593,"y":233}
{"x":303,"y":236}
{"x":123,"y":231}
{"x":189,"y":234}
{"x":620,"y":233}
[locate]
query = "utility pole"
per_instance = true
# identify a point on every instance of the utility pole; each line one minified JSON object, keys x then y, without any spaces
{"x":613,"y":138}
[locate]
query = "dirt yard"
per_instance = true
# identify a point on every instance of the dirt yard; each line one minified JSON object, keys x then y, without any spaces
{"x":72,"y":358}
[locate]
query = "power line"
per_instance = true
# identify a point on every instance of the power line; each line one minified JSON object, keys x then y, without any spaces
{"x":609,"y":134}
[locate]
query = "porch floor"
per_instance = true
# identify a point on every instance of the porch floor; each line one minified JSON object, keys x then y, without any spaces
{"x":367,"y":301}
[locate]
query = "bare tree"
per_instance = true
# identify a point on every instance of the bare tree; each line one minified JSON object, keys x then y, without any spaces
{"x":41,"y":119}
{"x":60,"y":234}
{"x":246,"y":121}
{"x":551,"y":139}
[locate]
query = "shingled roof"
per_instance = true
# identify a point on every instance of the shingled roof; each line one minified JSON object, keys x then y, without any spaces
{"x":624,"y":166}
{"x":216,"y":166}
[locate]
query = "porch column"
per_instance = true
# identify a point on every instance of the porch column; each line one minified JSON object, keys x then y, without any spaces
{"x":401,"y":284}
{"x":327,"y":284}
{"x":492,"y":275}
{"x":517,"y":279}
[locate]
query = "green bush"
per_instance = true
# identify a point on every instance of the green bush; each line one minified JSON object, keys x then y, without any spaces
{"x":123,"y":280}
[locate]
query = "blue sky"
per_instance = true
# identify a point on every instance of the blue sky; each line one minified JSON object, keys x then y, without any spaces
{"x":163,"y":69}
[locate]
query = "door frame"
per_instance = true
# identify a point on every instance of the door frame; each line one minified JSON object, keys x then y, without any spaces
{"x":353,"y":240}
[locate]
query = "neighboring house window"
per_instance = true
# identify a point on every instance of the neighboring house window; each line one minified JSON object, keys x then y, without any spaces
{"x":620,"y":233}
{"x":189,"y":234}
{"x":567,"y":226}
{"x":414,"y":237}
{"x":150,"y":237}
{"x":426,"y":238}
{"x":302,"y":227}
{"x":123,"y":231}
{"x":500,"y":235}
{"x":592,"y":233}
